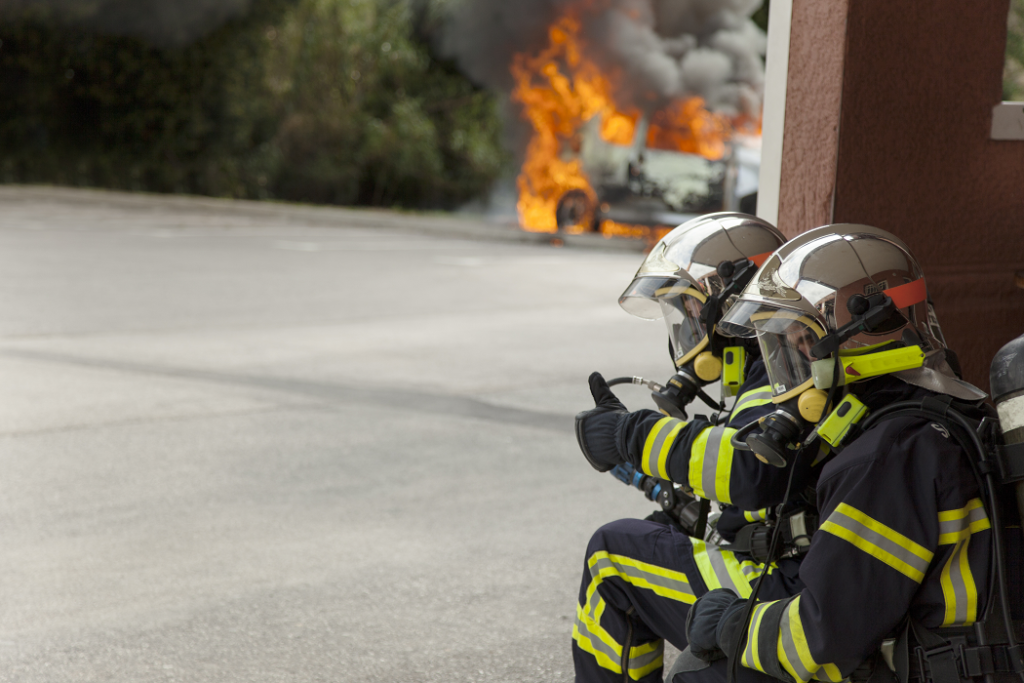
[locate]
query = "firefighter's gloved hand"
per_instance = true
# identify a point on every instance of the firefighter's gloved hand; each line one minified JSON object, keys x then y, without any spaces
{"x":704,"y":620}
{"x":598,"y":429}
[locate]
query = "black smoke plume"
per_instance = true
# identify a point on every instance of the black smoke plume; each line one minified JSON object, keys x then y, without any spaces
{"x":668,"y":48}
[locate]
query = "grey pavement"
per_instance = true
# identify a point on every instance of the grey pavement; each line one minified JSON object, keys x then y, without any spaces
{"x":261,"y":442}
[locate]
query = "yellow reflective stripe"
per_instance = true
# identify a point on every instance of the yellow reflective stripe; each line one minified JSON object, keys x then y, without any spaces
{"x":751,"y":399}
{"x":586,"y":632}
{"x":956,"y":525}
{"x":973,"y":504}
{"x":659,"y":442}
{"x":794,"y":653}
{"x":792,"y":633}
{"x":645,"y":659}
{"x":879,"y":541}
{"x":756,"y":515}
{"x":720,"y":569}
{"x":969,"y":584}
{"x":724,"y":469}
{"x":751,"y":655}
{"x":663,"y":582}
{"x":752,"y":569}
{"x":696,"y":474}
{"x":783,"y":656}
{"x":958,"y":588}
{"x":711,"y":463}
{"x":829,"y":672}
{"x":947,"y":590}
{"x":592,"y":638}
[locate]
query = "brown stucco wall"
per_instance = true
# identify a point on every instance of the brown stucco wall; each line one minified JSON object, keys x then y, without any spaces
{"x":913,"y":154}
{"x":813,"y":96}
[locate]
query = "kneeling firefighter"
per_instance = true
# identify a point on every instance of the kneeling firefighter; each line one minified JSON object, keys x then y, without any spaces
{"x":904,"y":578}
{"x":641,"y":576}
{"x":689,"y":280}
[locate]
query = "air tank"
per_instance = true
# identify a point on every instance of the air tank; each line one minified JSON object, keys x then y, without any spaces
{"x":1006,"y":378}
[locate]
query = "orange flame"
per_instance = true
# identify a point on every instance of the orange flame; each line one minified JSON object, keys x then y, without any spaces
{"x":610,"y":228}
{"x":686,"y":126}
{"x":559,"y":90}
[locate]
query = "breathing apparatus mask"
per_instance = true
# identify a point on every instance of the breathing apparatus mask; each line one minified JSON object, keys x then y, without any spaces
{"x":690,"y":279}
{"x":809,"y":356}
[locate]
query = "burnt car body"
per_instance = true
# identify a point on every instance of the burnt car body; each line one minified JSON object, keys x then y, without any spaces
{"x":638,"y":185}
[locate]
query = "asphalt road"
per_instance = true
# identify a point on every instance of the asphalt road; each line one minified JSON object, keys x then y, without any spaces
{"x":264,"y":443}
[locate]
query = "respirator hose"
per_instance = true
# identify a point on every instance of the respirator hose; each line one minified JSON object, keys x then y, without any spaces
{"x":752,"y":601}
{"x":741,"y":642}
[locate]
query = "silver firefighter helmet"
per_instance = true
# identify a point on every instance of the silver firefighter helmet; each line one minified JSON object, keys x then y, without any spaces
{"x":681,"y":272}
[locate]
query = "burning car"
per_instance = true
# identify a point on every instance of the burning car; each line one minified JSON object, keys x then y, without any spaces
{"x":602,"y":159}
{"x":639,"y":184}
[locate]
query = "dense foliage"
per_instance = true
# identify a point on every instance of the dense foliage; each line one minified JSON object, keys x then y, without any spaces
{"x":312,"y":100}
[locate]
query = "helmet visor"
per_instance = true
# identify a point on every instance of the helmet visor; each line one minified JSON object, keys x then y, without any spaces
{"x":785,"y":336}
{"x":674,"y":299}
{"x":641,"y":298}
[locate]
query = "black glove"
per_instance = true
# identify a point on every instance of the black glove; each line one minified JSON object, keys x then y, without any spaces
{"x":704,"y":619}
{"x":597,"y":429}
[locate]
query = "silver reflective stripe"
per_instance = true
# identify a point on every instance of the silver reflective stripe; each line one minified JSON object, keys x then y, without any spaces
{"x":789,"y":646}
{"x":955,"y":526}
{"x":721,"y":571}
{"x":956,"y":578}
{"x":756,"y":515}
{"x":897,"y":551}
{"x":659,"y":442}
{"x":596,"y":642}
{"x":595,"y":600}
{"x":648,"y":658}
{"x":635,"y":573}
{"x":744,"y":403}
{"x":752,"y":571}
{"x":748,"y":657}
{"x":709,"y":472}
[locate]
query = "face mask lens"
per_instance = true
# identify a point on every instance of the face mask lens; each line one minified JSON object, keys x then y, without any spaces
{"x":786,"y":340}
{"x":682,"y":317}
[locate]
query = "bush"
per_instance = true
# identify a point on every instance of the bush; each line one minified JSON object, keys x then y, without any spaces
{"x":313,"y":100}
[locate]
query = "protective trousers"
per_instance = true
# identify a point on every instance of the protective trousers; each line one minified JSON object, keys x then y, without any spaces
{"x":638,"y":584}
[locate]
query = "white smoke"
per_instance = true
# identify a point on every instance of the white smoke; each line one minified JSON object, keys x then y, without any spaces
{"x":668,"y":49}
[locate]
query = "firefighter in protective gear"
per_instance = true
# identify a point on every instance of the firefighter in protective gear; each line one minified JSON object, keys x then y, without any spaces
{"x":641,"y":576}
{"x":904,"y":535}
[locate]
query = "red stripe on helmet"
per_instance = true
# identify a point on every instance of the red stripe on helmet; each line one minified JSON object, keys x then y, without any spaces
{"x":760,"y":258}
{"x":909,"y":294}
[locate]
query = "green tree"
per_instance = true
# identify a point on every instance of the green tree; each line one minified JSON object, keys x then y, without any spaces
{"x":1013,"y":72}
{"x":312,"y":100}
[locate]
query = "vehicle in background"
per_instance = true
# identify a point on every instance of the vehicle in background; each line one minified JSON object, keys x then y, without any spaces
{"x":640,"y":185}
